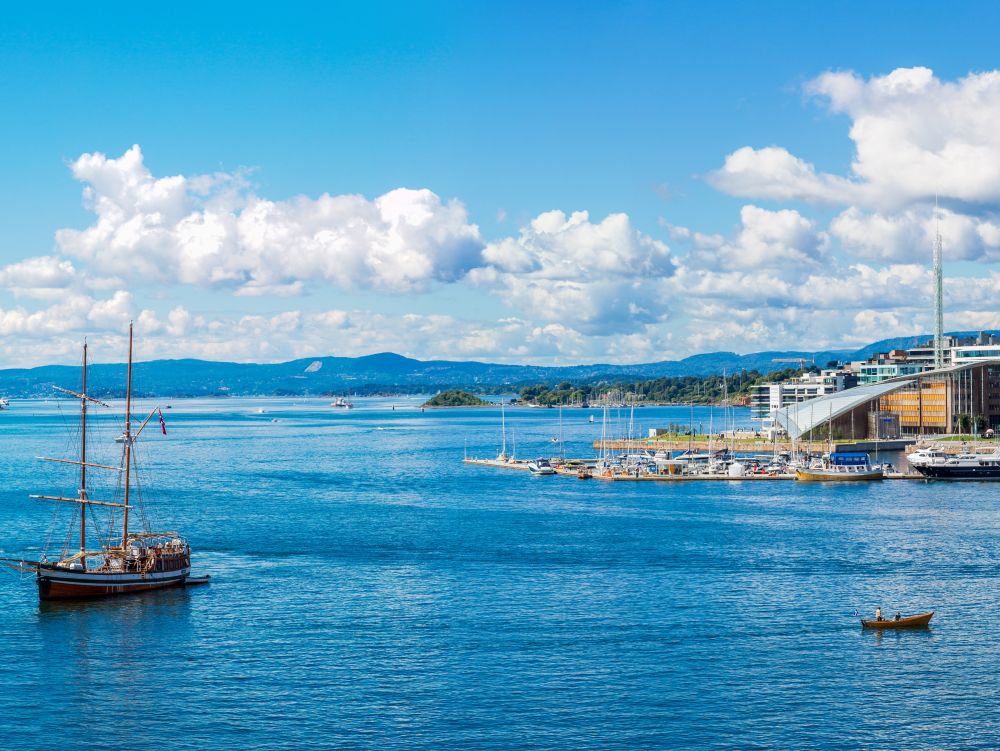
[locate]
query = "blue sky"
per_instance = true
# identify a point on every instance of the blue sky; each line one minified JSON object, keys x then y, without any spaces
{"x":503,"y":113}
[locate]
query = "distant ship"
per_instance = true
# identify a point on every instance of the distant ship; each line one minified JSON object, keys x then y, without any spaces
{"x":342,"y":402}
{"x":123,"y":560}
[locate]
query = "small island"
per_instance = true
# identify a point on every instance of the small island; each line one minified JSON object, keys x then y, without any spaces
{"x":456,"y":398}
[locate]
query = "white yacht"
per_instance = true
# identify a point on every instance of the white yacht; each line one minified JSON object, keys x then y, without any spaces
{"x":964,"y":467}
{"x":927,"y":455}
{"x":541,"y":467}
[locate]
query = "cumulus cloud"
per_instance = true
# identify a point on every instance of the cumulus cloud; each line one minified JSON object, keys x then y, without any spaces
{"x":597,"y":277}
{"x":41,"y":277}
{"x":915,"y":136}
{"x":774,"y":173}
{"x":72,"y":313}
{"x":210,"y":231}
{"x":926,"y":161}
{"x":783,"y":240}
{"x":577,"y":288}
{"x":909,"y":234}
{"x":55,"y":333}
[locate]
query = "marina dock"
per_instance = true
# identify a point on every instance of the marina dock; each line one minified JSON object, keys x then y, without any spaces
{"x":747,"y":444}
{"x":571,"y":471}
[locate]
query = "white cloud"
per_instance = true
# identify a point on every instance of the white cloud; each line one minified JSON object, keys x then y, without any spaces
{"x":41,"y":277}
{"x":598,"y":277}
{"x":55,"y":333}
{"x":774,"y":173}
{"x":209,"y":231}
{"x":783,"y":241}
{"x":908,"y":235}
{"x":113,"y":313}
{"x":915,"y":137}
{"x":69,"y":314}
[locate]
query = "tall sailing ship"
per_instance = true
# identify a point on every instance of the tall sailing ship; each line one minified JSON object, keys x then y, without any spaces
{"x":124,"y":559}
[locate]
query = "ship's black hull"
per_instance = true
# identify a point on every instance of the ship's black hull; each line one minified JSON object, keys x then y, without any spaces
{"x":941,"y":472}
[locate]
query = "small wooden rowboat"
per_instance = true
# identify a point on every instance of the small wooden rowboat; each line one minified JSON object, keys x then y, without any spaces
{"x":911,"y":621}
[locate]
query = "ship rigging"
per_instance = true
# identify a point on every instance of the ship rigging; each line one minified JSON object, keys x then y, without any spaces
{"x":123,"y":559}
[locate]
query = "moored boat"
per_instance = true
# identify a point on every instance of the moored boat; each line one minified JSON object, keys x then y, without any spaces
{"x":927,"y":455}
{"x":841,"y":467}
{"x":541,"y":467}
{"x":964,"y":467}
{"x":911,"y":621}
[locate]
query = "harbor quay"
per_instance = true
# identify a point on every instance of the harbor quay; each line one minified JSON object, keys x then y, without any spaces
{"x":571,"y":468}
{"x":755,"y":445}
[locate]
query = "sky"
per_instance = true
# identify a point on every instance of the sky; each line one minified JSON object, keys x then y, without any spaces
{"x":548,"y":183}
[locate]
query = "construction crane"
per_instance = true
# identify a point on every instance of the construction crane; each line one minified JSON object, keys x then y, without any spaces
{"x":800,"y":360}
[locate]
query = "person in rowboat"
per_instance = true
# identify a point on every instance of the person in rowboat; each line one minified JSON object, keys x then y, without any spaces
{"x":878,"y":614}
{"x":898,"y":616}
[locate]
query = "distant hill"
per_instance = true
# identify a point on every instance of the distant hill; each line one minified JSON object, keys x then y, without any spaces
{"x":387,"y":372}
{"x":908,"y":342}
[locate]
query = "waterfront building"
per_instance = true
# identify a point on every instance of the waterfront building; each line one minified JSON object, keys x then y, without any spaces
{"x":975,"y":352}
{"x":767,"y":398}
{"x":883,"y":370}
{"x":896,"y":363}
{"x":956,"y":399}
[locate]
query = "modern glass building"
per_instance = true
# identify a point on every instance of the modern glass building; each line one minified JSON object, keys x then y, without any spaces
{"x":957,"y":399}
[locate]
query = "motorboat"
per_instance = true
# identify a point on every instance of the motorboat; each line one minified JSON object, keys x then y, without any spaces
{"x":964,"y":467}
{"x":927,"y":455}
{"x":911,"y":621}
{"x":541,"y":467}
{"x":842,"y":467}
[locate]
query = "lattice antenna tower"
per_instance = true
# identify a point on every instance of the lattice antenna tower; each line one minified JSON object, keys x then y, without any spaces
{"x":938,"y":294}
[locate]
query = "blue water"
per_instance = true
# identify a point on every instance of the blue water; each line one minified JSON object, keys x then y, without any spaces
{"x":370,"y":591}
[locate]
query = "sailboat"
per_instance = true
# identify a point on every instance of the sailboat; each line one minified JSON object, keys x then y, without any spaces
{"x":124,"y":560}
{"x":502,"y":456}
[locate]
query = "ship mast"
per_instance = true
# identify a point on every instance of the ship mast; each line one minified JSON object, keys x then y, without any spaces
{"x":128,"y":437}
{"x":83,"y":458}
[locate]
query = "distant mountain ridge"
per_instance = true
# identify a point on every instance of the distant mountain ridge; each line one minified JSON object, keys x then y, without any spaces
{"x":387,"y":372}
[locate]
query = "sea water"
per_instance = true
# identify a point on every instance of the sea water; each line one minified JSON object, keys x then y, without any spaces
{"x":370,"y":591}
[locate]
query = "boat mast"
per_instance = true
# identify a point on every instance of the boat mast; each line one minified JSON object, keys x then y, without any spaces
{"x":128,"y":436}
{"x":562,"y":452}
{"x":83,"y":457}
{"x":503,"y":432}
{"x":691,"y":430}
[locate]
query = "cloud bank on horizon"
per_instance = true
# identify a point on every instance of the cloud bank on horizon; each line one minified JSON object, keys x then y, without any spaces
{"x":815,"y":259}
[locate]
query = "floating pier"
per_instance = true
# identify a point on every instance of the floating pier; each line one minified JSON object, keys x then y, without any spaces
{"x":571,"y":471}
{"x":749,"y":444}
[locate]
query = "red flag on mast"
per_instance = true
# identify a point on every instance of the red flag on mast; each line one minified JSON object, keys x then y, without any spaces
{"x":163,"y":425}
